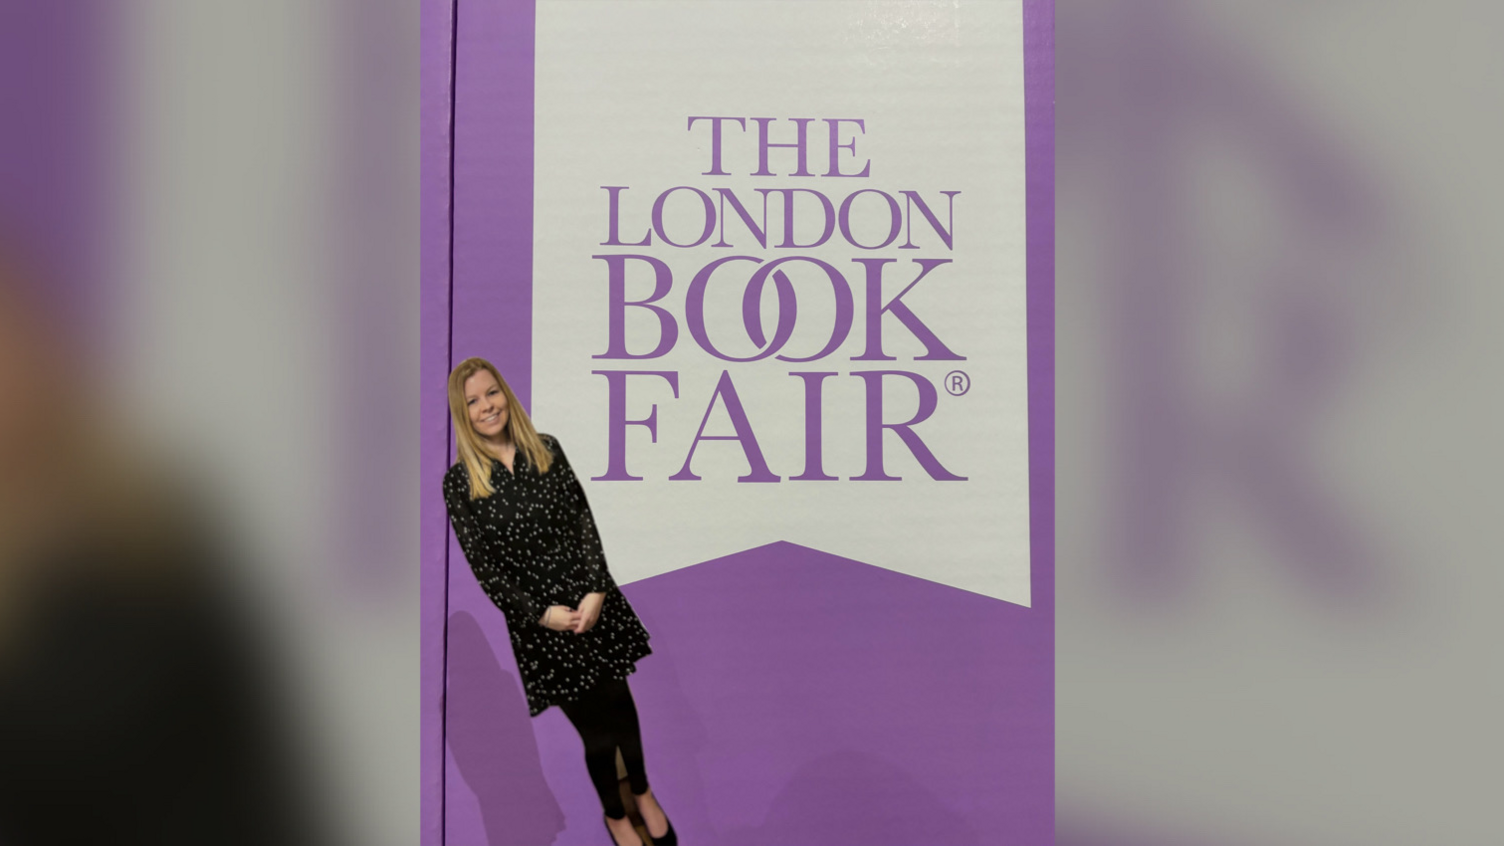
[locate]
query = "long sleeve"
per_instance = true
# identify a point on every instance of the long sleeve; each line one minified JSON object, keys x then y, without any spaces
{"x":487,"y":559}
{"x":586,"y":537}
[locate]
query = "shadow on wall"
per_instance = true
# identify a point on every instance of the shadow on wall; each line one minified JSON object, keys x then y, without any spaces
{"x":815,"y":808}
{"x":491,"y":739}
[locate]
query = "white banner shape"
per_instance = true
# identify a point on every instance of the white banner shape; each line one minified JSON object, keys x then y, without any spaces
{"x":935,"y":123}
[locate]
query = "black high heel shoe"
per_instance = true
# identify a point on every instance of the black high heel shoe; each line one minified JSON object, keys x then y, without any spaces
{"x":669,"y":838}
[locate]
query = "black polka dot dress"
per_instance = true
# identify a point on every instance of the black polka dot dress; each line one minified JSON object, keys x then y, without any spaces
{"x":531,"y":544}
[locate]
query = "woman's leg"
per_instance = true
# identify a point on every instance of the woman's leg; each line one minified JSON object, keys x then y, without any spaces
{"x":592,"y":716}
{"x":628,"y":733}
{"x":629,"y":738}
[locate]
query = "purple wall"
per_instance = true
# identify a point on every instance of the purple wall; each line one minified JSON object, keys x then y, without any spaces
{"x":781,"y":717}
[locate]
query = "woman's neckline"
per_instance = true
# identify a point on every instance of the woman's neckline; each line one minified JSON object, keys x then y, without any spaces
{"x":511,"y":471}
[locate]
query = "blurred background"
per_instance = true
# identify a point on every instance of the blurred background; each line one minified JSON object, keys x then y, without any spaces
{"x":213,"y":207}
{"x":1278,"y":416}
{"x":1277,"y":413}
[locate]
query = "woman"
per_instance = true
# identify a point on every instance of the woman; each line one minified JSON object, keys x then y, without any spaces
{"x":523,"y":522}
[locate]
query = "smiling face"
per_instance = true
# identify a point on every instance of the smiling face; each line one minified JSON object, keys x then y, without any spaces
{"x":487,"y":405}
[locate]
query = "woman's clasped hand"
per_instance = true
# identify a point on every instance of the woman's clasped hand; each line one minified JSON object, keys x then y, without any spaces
{"x":562,"y":618}
{"x":590,"y":612}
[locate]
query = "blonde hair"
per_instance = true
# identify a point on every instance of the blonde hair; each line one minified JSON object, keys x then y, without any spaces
{"x":473,"y":452}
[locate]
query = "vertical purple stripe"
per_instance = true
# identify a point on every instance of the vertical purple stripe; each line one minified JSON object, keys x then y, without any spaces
{"x":1039,"y":130}
{"x":1039,"y":96}
{"x":491,"y":231}
{"x":493,"y":191}
{"x":435,"y":110}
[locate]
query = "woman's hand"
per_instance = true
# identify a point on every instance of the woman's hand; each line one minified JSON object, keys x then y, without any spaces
{"x":560,"y":618}
{"x":589,"y":613}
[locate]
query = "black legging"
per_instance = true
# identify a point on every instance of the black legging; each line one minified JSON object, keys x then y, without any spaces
{"x":606,"y":717}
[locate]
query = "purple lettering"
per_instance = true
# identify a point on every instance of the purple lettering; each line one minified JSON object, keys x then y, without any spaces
{"x":935,"y":350}
{"x":814,"y":469}
{"x":725,"y":390}
{"x":928,"y":400}
{"x":616,"y":437}
{"x":912,"y":197}
{"x":895,"y":218}
{"x":715,"y":140}
{"x":835,"y":144}
{"x":617,"y":302}
{"x":613,"y":239}
{"x":764,"y":145}
{"x":708,"y":228}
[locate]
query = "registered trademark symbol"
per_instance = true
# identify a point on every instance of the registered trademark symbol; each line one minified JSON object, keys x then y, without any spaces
{"x":957,"y":382}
